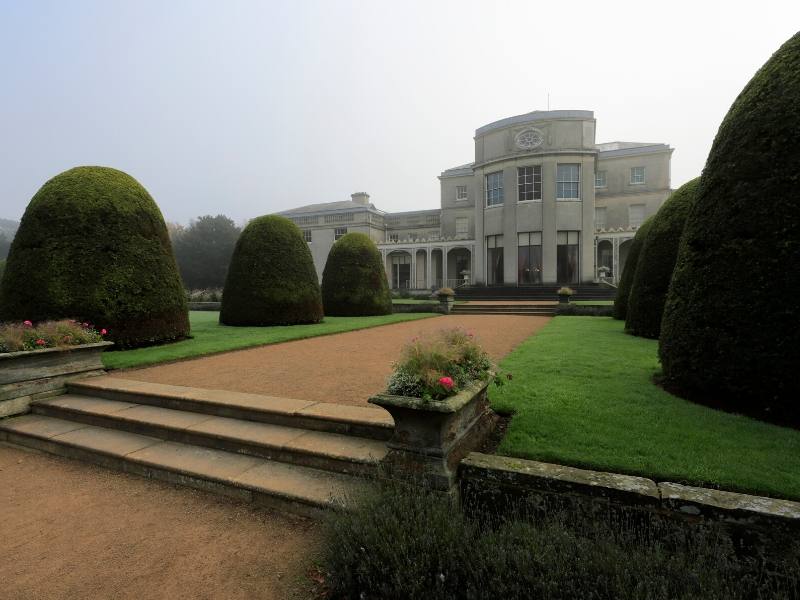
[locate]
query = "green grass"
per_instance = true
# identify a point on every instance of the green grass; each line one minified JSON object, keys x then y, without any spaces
{"x":583,"y":395}
{"x":593,"y":302}
{"x":210,"y":337}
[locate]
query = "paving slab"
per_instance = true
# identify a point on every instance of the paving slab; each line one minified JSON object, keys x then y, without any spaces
{"x":294,"y":482}
{"x":40,"y":426}
{"x":164,"y":417}
{"x":337,"y":446}
{"x":249,"y":431}
{"x":86,"y":403}
{"x":194,"y":460}
{"x":107,"y":441}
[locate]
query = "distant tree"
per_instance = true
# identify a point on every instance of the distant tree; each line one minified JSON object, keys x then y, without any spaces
{"x":203,"y":250}
{"x":175,"y":230}
{"x":5,"y":244}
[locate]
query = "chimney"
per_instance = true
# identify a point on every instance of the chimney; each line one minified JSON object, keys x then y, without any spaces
{"x":360,"y":198}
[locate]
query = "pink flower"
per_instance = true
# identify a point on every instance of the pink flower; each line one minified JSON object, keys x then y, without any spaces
{"x":103,"y":331}
{"x":27,"y":324}
{"x":446,"y":383}
{"x":85,"y":324}
{"x":41,"y":342}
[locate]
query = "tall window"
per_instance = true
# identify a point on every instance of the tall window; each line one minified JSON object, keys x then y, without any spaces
{"x":494,"y":188}
{"x":529,"y":183}
{"x":637,"y":175}
{"x":568,"y":182}
{"x":461,"y":192}
{"x":567,"y":256}
{"x":307,"y":235}
{"x":600,"y":179}
{"x":394,"y":237}
{"x":529,"y":257}
{"x":339,"y":232}
{"x":401,"y":270}
{"x":494,"y":259}
{"x":636,"y":215}
{"x":462,"y":225}
{"x":600,"y":217}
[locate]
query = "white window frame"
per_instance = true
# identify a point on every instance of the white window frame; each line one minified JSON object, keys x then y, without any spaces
{"x":635,"y":180}
{"x":597,"y":224}
{"x":338,"y":233}
{"x":571,"y":182}
{"x":600,"y":180}
{"x":630,"y":215}
{"x":307,"y":236}
{"x":459,"y":195}
{"x":394,"y":237}
{"x":465,"y":222}
{"x":495,"y":193}
{"x":535,"y":181}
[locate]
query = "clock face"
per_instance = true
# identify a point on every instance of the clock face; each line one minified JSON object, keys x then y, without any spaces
{"x":529,"y":139}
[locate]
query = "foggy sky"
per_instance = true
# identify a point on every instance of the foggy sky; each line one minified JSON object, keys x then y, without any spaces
{"x":247,"y":108}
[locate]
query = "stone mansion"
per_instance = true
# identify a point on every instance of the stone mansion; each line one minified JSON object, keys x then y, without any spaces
{"x":542,"y":203}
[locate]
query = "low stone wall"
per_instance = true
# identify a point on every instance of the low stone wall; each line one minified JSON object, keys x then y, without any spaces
{"x":433,"y":306}
{"x":585,"y":310}
{"x":29,"y":376}
{"x":501,"y":483}
{"x":204,"y":305}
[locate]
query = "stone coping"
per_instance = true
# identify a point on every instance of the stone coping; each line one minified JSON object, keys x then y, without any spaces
{"x":451,"y":404}
{"x":44,"y":351}
{"x":687,"y":500}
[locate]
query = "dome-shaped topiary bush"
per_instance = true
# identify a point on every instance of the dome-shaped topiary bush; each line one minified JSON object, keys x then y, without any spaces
{"x":93,"y":245}
{"x":271,"y":279}
{"x":656,"y":263}
{"x":354,"y":281}
{"x":732,"y":317}
{"x":626,"y":279}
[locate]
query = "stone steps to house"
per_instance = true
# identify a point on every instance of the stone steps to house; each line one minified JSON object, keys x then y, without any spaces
{"x":503,"y":309}
{"x":296,"y":455}
{"x":542,"y":292}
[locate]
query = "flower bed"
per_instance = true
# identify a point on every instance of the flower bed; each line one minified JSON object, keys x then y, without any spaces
{"x":437,"y":398}
{"x":37,"y":360}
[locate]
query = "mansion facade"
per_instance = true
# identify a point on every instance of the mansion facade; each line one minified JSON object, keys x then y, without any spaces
{"x":542,"y":203}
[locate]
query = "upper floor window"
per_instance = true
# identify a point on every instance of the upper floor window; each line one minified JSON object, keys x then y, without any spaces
{"x":600,"y":217}
{"x":529,"y":183}
{"x":494,"y":188}
{"x":600,"y":179}
{"x":568,"y":182}
{"x":636,"y":214}
{"x":637,"y":175}
{"x":461,"y":192}
{"x":307,"y":235}
{"x":394,"y":237}
{"x":339,"y":232}
{"x":462,"y":225}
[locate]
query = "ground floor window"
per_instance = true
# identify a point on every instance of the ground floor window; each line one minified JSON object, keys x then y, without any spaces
{"x":401,"y":271}
{"x":567,"y":256}
{"x":605,"y":257}
{"x":529,"y":258}
{"x":339,"y":232}
{"x":494,"y":259}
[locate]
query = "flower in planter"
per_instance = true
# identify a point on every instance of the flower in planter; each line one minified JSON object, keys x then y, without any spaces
{"x":27,"y":324}
{"x":41,"y":343}
{"x":446,"y":383}
{"x":104,"y":332}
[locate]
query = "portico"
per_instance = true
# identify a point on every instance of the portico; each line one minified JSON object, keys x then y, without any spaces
{"x":428,"y":264}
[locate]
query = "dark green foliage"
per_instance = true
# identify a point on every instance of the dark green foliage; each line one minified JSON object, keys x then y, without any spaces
{"x":271,"y":279}
{"x":656,"y":263}
{"x":625,"y":281}
{"x":732,"y":316}
{"x":2,"y":269}
{"x":93,"y":245}
{"x":5,"y":245}
{"x":204,"y":249}
{"x":354,"y":281}
{"x":583,"y":310}
{"x":414,"y":544}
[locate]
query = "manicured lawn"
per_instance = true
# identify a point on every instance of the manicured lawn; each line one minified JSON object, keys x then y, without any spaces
{"x":211,"y":337}
{"x":593,"y":302}
{"x":583,"y":395}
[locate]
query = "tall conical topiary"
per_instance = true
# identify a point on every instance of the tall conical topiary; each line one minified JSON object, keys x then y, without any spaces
{"x":354,"y":281}
{"x":626,"y":279}
{"x":93,"y":245}
{"x":271,"y":279}
{"x":656,"y":263}
{"x":732,"y":317}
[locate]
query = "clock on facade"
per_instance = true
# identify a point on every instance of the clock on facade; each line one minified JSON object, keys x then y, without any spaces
{"x":528,"y":139}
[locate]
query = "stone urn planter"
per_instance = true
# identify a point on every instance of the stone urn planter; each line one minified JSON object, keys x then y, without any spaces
{"x":564,"y":294}
{"x":432,"y":436}
{"x":446,"y":299}
{"x":36,"y":374}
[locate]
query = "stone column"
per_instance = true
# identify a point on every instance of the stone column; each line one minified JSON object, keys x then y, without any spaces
{"x":413,"y":283}
{"x":444,"y":266}
{"x":615,"y":259}
{"x":428,"y":265}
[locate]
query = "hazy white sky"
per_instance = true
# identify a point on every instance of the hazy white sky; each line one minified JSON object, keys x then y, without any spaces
{"x":247,"y":108}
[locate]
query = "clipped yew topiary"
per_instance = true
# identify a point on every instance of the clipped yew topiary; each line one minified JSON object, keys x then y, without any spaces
{"x":656,"y":263}
{"x":626,"y":279}
{"x":732,"y":316}
{"x":93,"y":245}
{"x":271,"y":279}
{"x":354,"y":281}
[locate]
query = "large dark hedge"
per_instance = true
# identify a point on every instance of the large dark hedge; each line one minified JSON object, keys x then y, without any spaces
{"x":354,"y":281}
{"x":656,"y":263}
{"x":626,"y":279}
{"x":93,"y":245}
{"x":731,"y":322}
{"x":271,"y":279}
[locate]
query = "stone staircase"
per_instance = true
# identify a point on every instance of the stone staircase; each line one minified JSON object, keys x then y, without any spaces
{"x":292,"y":454}
{"x":535,"y":310}
{"x":583,"y":291}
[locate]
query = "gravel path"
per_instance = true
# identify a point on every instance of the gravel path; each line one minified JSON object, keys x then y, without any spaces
{"x":73,"y":530}
{"x":345,"y":368}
